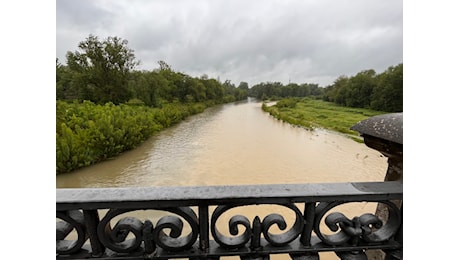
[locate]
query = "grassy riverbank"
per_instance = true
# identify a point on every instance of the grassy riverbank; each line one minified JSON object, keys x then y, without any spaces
{"x":311,"y":113}
{"x":87,"y":133}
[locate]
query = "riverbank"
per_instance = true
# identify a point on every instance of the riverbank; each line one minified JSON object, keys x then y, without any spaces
{"x":233,"y":144}
{"x":311,"y":113}
{"x":87,"y":133}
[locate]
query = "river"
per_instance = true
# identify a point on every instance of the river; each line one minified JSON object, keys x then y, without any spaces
{"x":235,"y":144}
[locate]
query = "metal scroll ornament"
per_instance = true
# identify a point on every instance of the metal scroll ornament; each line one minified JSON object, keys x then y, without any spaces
{"x":71,"y":220}
{"x":116,"y":238}
{"x":253,"y":232}
{"x":367,"y":227}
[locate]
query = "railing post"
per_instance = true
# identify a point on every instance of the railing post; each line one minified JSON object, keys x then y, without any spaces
{"x":309,"y":215}
{"x":91,"y":221}
{"x":384,"y":133}
{"x":203,"y":216}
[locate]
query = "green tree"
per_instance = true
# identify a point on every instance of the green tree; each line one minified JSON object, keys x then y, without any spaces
{"x":101,"y":69}
{"x":243,"y":85}
{"x":214,"y":89}
{"x":388,"y":95}
{"x":338,"y":91}
{"x":65,"y":89}
{"x":360,"y":89}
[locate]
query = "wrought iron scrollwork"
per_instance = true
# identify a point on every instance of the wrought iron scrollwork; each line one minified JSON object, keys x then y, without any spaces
{"x":231,"y":242}
{"x":174,"y":241}
{"x":71,"y":220}
{"x":195,"y":227}
{"x":367,"y":227}
{"x":258,"y":227}
{"x":116,"y":238}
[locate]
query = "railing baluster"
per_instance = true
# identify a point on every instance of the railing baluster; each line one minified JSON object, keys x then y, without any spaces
{"x":309,"y":217}
{"x":203,"y":215}
{"x":147,"y":236}
{"x":91,"y":222}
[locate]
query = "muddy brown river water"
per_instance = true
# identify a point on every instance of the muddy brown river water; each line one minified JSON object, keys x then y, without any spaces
{"x":237,"y":144}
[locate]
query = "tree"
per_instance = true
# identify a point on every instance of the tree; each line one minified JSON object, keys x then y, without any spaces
{"x":337,"y":93}
{"x":360,"y":89}
{"x":102,"y":69}
{"x":213,"y":88}
{"x":388,"y":95}
{"x":243,"y":85}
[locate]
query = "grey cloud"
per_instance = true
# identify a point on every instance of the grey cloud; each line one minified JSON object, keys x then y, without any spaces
{"x":82,"y":15}
{"x":252,"y":41}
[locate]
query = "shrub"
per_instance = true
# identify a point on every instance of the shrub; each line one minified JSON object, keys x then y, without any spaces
{"x":87,"y":133}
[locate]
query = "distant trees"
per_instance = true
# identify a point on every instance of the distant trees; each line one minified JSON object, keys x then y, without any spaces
{"x":366,"y":89}
{"x":103,"y":71}
{"x":278,"y":90}
{"x":383,"y":92}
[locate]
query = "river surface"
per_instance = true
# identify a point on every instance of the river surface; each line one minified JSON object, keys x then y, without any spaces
{"x":236,"y":144}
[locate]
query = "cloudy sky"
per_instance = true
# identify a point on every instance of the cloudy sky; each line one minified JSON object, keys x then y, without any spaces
{"x":301,"y":41}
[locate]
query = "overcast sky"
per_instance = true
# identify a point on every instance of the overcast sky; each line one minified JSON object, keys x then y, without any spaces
{"x":300,"y":41}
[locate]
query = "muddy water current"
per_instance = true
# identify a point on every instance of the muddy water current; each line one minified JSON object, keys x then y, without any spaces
{"x":237,"y":144}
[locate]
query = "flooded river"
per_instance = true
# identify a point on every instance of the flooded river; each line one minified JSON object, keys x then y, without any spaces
{"x":235,"y":144}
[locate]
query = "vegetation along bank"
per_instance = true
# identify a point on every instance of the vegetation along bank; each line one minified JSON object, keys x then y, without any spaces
{"x":104,"y":106}
{"x":311,"y":113}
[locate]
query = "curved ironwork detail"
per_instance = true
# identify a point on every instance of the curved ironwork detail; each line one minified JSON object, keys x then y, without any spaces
{"x":238,"y":241}
{"x":194,"y":218}
{"x":72,"y":219}
{"x":231,"y":242}
{"x":116,"y":238}
{"x":174,"y":242}
{"x":288,"y":236}
{"x":367,"y":226}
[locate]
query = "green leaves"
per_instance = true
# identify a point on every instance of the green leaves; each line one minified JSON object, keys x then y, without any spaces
{"x":87,"y":133}
{"x":101,"y":69}
{"x":383,"y":92}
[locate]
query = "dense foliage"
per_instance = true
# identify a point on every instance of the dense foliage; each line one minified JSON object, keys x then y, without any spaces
{"x":383,"y":92}
{"x":276,"y":90}
{"x":103,"y":71}
{"x":87,"y":133}
{"x":366,"y":89}
{"x":104,"y":106}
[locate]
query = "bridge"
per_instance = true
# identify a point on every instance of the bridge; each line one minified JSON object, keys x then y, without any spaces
{"x":101,"y":224}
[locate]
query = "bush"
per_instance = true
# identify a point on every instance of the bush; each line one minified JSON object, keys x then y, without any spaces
{"x":87,"y":133}
{"x":287,"y":102}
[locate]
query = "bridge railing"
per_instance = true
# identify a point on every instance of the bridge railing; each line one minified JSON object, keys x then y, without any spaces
{"x":100,"y":223}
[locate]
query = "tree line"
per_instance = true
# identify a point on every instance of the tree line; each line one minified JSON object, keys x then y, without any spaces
{"x":276,"y":90}
{"x":366,"y":89}
{"x":104,"y":106}
{"x":103,"y":71}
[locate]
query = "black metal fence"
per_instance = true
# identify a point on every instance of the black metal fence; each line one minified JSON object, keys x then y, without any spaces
{"x":89,"y":224}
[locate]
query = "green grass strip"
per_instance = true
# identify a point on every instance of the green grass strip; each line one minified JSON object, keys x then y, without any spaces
{"x":311,"y":113}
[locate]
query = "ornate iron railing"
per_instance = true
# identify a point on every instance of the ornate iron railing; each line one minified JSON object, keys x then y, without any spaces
{"x":96,"y":223}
